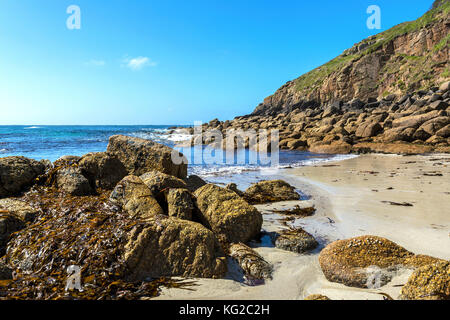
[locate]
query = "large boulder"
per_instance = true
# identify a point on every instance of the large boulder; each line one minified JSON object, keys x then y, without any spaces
{"x":134,"y":197}
{"x":18,"y":208}
{"x":179,"y":203}
{"x":158,"y":181}
{"x":229,"y":216}
{"x":366,"y":261}
{"x":270,"y":191}
{"x":368,"y":129}
{"x":140,"y":156}
{"x":9,"y":223}
{"x":72,"y":181}
{"x":167,"y":246}
{"x":430,"y":282}
{"x":18,"y":173}
{"x":102,"y":169}
{"x":252,"y":264}
{"x":295,"y":240}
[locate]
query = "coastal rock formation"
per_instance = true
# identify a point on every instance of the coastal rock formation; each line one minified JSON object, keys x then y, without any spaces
{"x":102,"y":170}
{"x":270,"y":191}
{"x":367,"y":261}
{"x":233,"y":187}
{"x":252,"y":264}
{"x":135,"y":197}
{"x":389,"y":93}
{"x":430,"y":282}
{"x":18,"y":208}
{"x":158,"y":181}
{"x":179,"y":203}
{"x":72,"y":181}
{"x":167,"y":246}
{"x":18,"y":173}
{"x":295,"y":240}
{"x":140,"y":156}
{"x":229,"y":216}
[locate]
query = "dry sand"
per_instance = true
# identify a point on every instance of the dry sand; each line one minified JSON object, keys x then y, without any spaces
{"x":350,"y":200}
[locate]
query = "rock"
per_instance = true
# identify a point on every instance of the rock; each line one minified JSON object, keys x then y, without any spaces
{"x":5,"y":272}
{"x":367,"y":130}
{"x":270,"y":191}
{"x":439,"y":105}
{"x":70,"y":160}
{"x":18,"y":208}
{"x":445,"y":86}
{"x":295,"y":240}
{"x":336,"y":147}
{"x":158,"y":181}
{"x":102,"y":170}
{"x":430,"y":282}
{"x":415,"y":121}
{"x":233,"y":187}
{"x":317,"y":297}
{"x":167,"y":246}
{"x":18,"y":173}
{"x":194,"y":182}
{"x":71,"y":180}
{"x":444,"y":132}
{"x":366,"y":261}
{"x":9,"y":223}
{"x":331,"y":110}
{"x":296,"y":144}
{"x":135,"y":198}
{"x":140,"y":156}
{"x":253,"y":265}
{"x":433,"y":125}
{"x":229,"y":216}
{"x":179,"y":203}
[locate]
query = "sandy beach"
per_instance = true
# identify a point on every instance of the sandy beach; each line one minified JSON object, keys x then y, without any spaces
{"x":403,"y":198}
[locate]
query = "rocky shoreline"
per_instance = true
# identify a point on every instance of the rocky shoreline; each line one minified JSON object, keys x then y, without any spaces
{"x":131,"y":221}
{"x":417,"y":122}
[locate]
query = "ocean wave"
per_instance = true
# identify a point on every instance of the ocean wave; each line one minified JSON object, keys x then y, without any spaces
{"x":221,"y":170}
{"x":33,"y":127}
{"x":3,"y":150}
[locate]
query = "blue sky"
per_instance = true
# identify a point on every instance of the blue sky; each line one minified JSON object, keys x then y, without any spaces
{"x":169,"y":61}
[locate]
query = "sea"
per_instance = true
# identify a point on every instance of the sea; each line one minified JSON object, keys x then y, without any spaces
{"x":51,"y":142}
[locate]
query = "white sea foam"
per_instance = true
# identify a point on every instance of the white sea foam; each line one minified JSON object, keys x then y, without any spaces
{"x":33,"y":127}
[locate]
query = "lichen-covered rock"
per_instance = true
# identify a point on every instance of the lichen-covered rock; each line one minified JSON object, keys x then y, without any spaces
{"x":5,"y":272}
{"x":135,"y":198}
{"x":295,"y":240}
{"x":430,"y":282}
{"x":167,"y":246}
{"x":366,"y":261}
{"x":102,"y":170}
{"x":71,"y":180}
{"x":158,"y":181}
{"x":229,"y":216}
{"x":18,"y":173}
{"x":317,"y":297}
{"x":194,"y":182}
{"x":179,"y":203}
{"x":252,"y":264}
{"x":270,"y":191}
{"x":19,"y":208}
{"x":9,"y":223}
{"x":140,"y":156}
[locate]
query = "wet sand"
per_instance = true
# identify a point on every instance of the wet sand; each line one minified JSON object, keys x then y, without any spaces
{"x":352,"y":197}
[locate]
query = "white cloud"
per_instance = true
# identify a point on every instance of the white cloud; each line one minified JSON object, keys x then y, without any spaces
{"x":96,"y":63}
{"x":139,"y":62}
